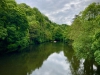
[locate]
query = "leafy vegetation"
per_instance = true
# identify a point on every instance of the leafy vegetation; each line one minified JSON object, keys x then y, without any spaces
{"x":85,"y":32}
{"x":21,"y":25}
{"x":13,"y":27}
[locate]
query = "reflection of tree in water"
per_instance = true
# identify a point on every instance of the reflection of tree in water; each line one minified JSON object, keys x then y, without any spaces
{"x":41,"y":53}
{"x":76,"y":65}
{"x":26,"y":62}
{"x":88,"y":67}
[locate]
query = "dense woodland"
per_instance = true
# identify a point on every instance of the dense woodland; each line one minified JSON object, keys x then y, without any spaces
{"x":85,"y":33}
{"x":21,"y":25}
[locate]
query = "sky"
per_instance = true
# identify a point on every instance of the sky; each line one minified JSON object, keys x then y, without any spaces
{"x":59,"y":11}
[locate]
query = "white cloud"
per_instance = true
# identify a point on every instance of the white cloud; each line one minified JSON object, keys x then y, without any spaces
{"x":59,"y":11}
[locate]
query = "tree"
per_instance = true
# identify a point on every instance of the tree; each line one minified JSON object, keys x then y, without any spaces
{"x":14,"y":25}
{"x":84,"y":31}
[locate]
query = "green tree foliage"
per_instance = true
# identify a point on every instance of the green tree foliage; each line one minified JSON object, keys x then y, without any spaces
{"x":13,"y":27}
{"x":41,"y":29}
{"x":21,"y":25}
{"x":85,"y":31}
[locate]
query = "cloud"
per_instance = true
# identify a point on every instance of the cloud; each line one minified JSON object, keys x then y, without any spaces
{"x":59,"y":11}
{"x":54,"y":65}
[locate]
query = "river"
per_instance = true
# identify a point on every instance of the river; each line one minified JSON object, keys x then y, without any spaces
{"x":46,"y":59}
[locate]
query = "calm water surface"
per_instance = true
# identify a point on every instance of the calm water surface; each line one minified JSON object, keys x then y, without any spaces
{"x":46,"y":59}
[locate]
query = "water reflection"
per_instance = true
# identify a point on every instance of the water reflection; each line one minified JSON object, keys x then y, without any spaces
{"x":54,"y":65}
{"x":46,"y":59}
